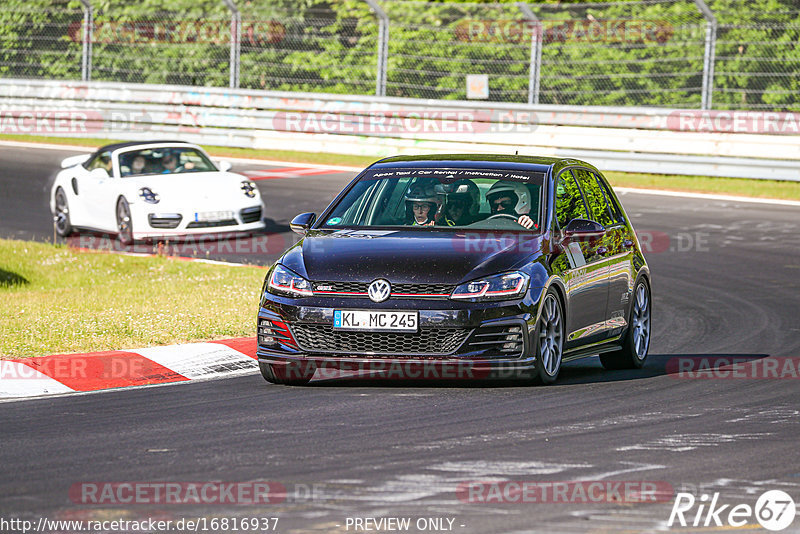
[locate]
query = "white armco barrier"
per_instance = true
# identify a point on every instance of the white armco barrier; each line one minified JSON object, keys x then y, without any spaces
{"x":688,"y":142}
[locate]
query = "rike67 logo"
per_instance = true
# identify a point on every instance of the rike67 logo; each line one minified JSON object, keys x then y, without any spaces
{"x":774,"y":510}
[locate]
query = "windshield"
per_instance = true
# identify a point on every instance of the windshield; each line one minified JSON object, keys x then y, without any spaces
{"x":169,"y":160}
{"x":436,"y":197}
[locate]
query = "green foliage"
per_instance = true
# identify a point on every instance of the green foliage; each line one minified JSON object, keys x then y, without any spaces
{"x":590,"y":56}
{"x":38,"y":39}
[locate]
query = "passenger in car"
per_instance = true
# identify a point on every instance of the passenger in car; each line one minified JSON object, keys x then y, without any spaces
{"x":138,"y":164}
{"x":421,"y":206}
{"x":170,"y":163}
{"x":461,"y":205}
{"x":513,"y":199}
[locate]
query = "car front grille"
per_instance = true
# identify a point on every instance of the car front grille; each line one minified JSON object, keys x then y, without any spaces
{"x":503,"y":341}
{"x":212,"y":224}
{"x":359,"y":289}
{"x":164,"y":220}
{"x":250,"y":215}
{"x":428,"y":342}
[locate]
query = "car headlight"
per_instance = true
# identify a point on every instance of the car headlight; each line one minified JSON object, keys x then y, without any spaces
{"x":282,"y":281}
{"x":148,"y":196}
{"x":504,"y":286}
{"x":249,"y":189}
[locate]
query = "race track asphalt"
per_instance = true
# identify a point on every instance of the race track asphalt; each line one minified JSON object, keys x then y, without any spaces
{"x":726,"y":284}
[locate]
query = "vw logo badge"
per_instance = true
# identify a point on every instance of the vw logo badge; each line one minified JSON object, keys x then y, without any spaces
{"x":379,"y":290}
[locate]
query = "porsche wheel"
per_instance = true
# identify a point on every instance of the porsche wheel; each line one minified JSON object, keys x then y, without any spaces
{"x":124,"y":225}
{"x":62,"y":220}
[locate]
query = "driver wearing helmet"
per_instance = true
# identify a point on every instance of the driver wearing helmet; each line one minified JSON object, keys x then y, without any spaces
{"x":461,"y":205}
{"x":421,"y":205}
{"x":512,"y":199}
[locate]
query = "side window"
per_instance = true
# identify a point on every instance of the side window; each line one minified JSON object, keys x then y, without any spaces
{"x":616,"y":212}
{"x":595,"y":199}
{"x":569,"y":203}
{"x":102,"y":160}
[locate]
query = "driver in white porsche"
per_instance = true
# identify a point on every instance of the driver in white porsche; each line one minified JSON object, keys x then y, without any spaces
{"x":513,"y":199}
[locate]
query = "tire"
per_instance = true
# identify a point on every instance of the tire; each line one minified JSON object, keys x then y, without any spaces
{"x":636,"y":342}
{"x":62,"y":221}
{"x":124,"y":225}
{"x":287,"y":374}
{"x":549,"y":339}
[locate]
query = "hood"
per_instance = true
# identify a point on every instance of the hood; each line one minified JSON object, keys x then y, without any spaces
{"x":409,"y":256}
{"x":215,"y":185}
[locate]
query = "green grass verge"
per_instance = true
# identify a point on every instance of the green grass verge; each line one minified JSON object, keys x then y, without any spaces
{"x":54,"y":299}
{"x":697,"y":184}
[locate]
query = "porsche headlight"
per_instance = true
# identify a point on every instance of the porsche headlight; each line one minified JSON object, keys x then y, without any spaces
{"x":284,"y":282}
{"x":149,"y":196}
{"x":249,"y":189}
{"x":504,"y":286}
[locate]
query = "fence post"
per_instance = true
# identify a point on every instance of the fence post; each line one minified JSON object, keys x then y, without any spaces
{"x":535,"y":69}
{"x":710,"y":53}
{"x":383,"y":47}
{"x":236,"y":42}
{"x":86,"y":41}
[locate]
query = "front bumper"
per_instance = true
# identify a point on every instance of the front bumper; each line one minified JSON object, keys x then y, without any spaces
{"x":454,"y":339}
{"x":157,"y":221}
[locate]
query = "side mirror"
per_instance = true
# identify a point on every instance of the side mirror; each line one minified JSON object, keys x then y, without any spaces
{"x":99,"y":173}
{"x":302,"y":223}
{"x":583,"y":228}
{"x":225,"y":165}
{"x":74,"y":160}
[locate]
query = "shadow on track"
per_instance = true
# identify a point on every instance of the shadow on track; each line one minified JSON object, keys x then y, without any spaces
{"x":584,"y":371}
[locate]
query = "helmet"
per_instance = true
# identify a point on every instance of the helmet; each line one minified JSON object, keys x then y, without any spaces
{"x":421,"y":193}
{"x":466,"y":189}
{"x":514,"y":190}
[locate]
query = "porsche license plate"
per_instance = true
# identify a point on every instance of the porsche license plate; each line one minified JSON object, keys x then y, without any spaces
{"x":376,"y":320}
{"x":212,"y":216}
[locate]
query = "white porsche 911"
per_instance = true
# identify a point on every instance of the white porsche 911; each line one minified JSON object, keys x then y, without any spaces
{"x":152,"y":190}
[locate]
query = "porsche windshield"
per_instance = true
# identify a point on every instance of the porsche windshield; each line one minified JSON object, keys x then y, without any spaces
{"x":167,"y":160}
{"x":436,"y":197}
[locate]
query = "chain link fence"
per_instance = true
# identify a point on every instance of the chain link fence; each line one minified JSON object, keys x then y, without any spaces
{"x":721,"y":54}
{"x":757,"y":59}
{"x":41,"y":39}
{"x":323,"y":48}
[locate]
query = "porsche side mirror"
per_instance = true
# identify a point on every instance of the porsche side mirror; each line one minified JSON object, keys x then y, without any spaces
{"x":302,"y":223}
{"x":74,"y":160}
{"x":583,"y":228}
{"x":225,"y":165}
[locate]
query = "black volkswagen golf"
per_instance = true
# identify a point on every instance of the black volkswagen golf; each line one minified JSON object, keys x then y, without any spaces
{"x":459,"y":266}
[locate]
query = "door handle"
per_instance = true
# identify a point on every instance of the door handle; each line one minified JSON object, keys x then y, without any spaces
{"x":602,"y":250}
{"x":627,"y":243}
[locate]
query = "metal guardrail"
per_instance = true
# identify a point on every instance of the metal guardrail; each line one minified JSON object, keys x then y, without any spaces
{"x":624,"y":139}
